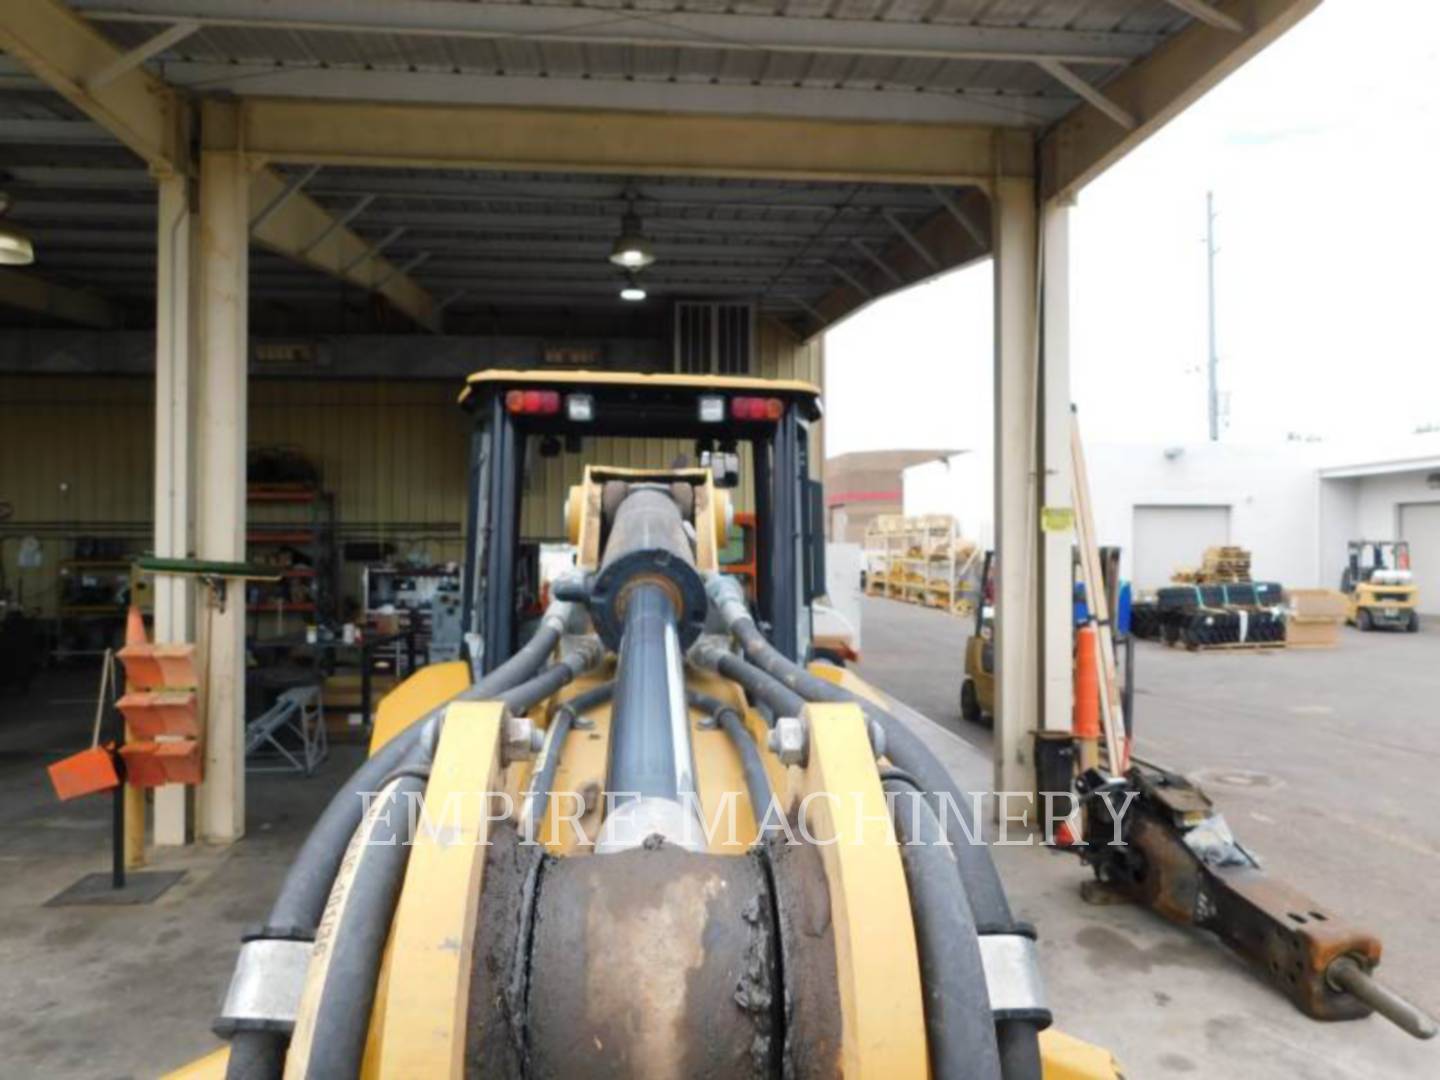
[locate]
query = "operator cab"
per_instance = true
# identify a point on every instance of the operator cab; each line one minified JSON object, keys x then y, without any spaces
{"x":535,"y":431}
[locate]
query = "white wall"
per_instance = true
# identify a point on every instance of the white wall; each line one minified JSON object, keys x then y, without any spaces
{"x":1273,"y":493}
{"x":1379,"y":499}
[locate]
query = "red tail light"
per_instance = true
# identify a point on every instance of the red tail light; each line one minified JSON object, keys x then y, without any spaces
{"x":532,"y":402}
{"x":756,"y":408}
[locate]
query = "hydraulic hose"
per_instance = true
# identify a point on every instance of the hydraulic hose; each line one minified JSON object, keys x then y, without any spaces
{"x":297,"y":908}
{"x":959,"y":1026}
{"x":902,"y":746}
{"x":340,"y":1021}
{"x":1018,"y":1043}
{"x":762,"y":689}
{"x":582,"y":657}
{"x":562,"y":719}
{"x":757,"y":782}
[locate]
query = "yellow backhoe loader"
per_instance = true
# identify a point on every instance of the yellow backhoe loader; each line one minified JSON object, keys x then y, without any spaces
{"x":642,"y":838}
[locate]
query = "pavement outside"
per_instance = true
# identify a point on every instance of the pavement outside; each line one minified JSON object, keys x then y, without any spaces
{"x":1321,"y":760}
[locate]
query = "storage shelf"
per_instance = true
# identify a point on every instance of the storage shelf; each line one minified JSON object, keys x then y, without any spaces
{"x":921,"y":560}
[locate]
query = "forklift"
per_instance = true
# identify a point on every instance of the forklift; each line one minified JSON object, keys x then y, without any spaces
{"x":1379,"y":589}
{"x":977,"y":685}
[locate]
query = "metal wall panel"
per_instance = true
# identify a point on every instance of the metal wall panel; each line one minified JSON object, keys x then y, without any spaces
{"x":77,"y":458}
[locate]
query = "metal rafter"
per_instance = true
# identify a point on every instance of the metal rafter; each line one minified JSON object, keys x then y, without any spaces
{"x":138,"y":55}
{"x":1208,"y":14}
{"x":710,"y":31}
{"x":147,"y":115}
{"x":1094,"y":95}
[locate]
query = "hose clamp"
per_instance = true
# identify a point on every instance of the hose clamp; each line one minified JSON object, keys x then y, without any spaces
{"x":265,"y":990}
{"x":1012,"y":977}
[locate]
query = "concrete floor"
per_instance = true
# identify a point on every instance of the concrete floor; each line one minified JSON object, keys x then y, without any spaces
{"x":1320,"y":759}
{"x":1321,"y":762}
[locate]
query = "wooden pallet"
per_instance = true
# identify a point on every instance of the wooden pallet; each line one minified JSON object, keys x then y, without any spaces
{"x":1219,"y":646}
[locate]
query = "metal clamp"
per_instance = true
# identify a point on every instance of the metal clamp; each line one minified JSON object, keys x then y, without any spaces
{"x":1012,"y":976}
{"x":265,"y":990}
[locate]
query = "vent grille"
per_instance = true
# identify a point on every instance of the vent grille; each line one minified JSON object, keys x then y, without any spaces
{"x":714,"y":338}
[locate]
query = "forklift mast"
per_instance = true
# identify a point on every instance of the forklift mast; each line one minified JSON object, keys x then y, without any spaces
{"x":512,"y":407}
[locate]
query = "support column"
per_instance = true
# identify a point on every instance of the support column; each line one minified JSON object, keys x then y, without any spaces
{"x":1057,"y":540}
{"x":175,"y":393}
{"x":1017,"y":593}
{"x":221,"y":434}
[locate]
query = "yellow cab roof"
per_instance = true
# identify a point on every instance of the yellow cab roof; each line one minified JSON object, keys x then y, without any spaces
{"x":698,"y":383}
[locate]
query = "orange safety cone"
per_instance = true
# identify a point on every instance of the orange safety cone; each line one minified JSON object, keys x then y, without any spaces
{"x":1086,"y":721}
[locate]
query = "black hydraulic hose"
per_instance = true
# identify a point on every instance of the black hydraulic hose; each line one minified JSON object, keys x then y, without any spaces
{"x":524,"y":697}
{"x":959,"y":1025}
{"x":1019,"y":1042}
{"x":760,"y":685}
{"x":757,"y":781}
{"x":342,"y":1015}
{"x":298,"y":905}
{"x":908,"y":752}
{"x":562,"y":719}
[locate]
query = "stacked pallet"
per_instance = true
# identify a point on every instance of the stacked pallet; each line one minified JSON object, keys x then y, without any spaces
{"x":1225,"y":565}
{"x":921,"y":560}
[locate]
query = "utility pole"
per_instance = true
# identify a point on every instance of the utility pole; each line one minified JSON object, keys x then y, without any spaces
{"x":1213,"y":362}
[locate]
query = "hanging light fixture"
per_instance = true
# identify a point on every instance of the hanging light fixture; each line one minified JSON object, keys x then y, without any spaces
{"x":632,"y":290}
{"x":632,"y":250}
{"x":15,"y":247}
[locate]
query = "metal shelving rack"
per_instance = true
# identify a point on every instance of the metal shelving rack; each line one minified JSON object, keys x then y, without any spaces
{"x":921,"y":560}
{"x":304,"y":519}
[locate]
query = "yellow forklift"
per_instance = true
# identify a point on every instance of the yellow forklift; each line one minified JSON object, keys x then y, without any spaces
{"x":1379,"y":588}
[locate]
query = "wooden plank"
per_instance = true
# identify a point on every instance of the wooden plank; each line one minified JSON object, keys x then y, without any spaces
{"x":1112,"y":714}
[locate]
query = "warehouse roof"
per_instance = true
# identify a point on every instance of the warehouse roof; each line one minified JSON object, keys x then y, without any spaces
{"x":485,"y":244}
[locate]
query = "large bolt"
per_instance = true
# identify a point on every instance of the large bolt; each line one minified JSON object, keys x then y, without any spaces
{"x":520,"y":741}
{"x":789,"y":741}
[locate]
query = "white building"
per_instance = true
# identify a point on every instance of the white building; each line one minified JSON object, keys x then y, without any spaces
{"x":1293,"y":505}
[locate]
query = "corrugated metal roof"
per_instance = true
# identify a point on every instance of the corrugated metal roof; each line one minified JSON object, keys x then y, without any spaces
{"x":514,"y":239}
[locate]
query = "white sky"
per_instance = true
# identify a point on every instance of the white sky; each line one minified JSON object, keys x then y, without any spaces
{"x":1324,"y":156}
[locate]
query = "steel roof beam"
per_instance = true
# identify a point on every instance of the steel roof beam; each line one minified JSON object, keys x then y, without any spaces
{"x":148,"y":116}
{"x":313,"y":82}
{"x":138,"y":55}
{"x":32,"y":293}
{"x":1063,"y":75}
{"x":880,"y":264}
{"x":66,"y":52}
{"x":1209,"y":14}
{"x":292,"y":187}
{"x":966,"y":220}
{"x":630,"y":143}
{"x":910,"y":238}
{"x":1159,"y":87}
{"x":17,"y":130}
{"x":711,"y":31}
